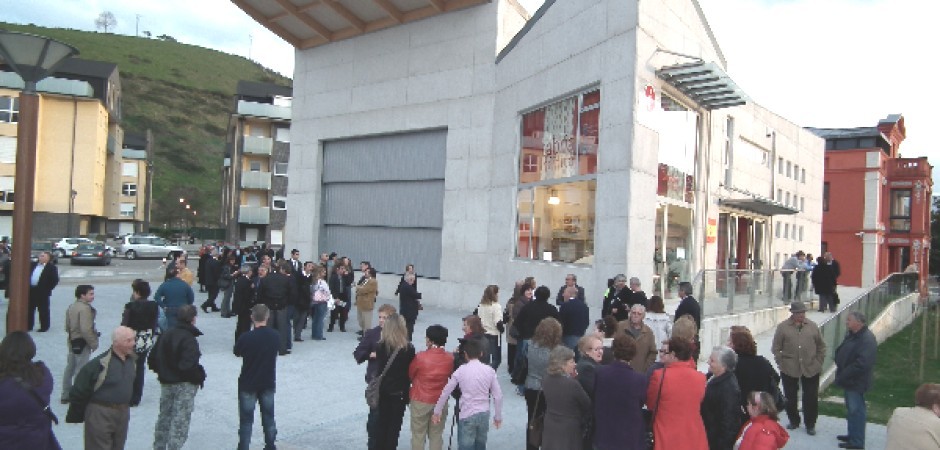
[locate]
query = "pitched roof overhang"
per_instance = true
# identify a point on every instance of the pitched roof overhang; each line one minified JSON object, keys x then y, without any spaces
{"x":310,"y":23}
{"x":705,"y":83}
{"x":759,"y":205}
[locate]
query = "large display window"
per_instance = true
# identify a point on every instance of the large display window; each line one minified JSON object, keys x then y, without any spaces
{"x":557,"y":171}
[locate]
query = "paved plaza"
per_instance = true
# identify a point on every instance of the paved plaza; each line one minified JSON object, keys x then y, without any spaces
{"x":319,"y":402}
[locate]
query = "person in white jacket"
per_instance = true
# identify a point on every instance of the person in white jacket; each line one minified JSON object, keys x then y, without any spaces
{"x":491,"y":316}
{"x":660,"y":322}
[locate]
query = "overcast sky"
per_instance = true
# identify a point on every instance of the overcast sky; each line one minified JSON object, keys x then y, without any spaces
{"x":821,"y":63}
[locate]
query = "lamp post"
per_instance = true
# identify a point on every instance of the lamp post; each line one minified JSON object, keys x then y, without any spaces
{"x":32,"y":58}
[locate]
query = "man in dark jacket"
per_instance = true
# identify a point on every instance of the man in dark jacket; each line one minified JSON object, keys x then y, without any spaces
{"x":409,"y":302}
{"x":243,"y":298}
{"x":616,"y":299}
{"x":256,"y":383}
{"x":176,"y":358}
{"x":44,"y":277}
{"x":570,"y":281}
{"x":365,"y":351}
{"x":211,"y":272}
{"x":303,"y":278}
{"x":529,"y":318}
{"x":102,"y":393}
{"x":824,"y":284}
{"x":573,"y":315}
{"x":855,"y":361}
{"x":689,"y":305}
{"x":275,"y":291}
{"x":636,"y":296}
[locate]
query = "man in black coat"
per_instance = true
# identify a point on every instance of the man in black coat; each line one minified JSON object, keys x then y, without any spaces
{"x":616,"y":299}
{"x":689,"y":305}
{"x":824,"y":284}
{"x":635,"y":296}
{"x":176,"y":358}
{"x":570,"y":280}
{"x":211,"y":272}
{"x":276,"y":291}
{"x":409,"y":302}
{"x":529,"y":318}
{"x":243,"y":299}
{"x":44,"y":276}
{"x":855,"y":362}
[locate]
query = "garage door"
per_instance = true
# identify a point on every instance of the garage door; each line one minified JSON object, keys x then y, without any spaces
{"x":383,"y":200}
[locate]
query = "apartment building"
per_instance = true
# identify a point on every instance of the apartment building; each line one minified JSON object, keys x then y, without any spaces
{"x":254,"y":168}
{"x":79,"y":158}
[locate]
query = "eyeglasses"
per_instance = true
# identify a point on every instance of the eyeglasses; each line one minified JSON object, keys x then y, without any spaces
{"x":664,"y":352}
{"x":596,"y":349}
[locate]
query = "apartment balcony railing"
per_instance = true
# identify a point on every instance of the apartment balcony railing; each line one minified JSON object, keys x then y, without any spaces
{"x":255,"y":145}
{"x":256,"y":180}
{"x":266,"y":110}
{"x":254,"y":215}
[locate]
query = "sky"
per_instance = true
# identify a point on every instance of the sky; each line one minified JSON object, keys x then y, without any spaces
{"x":819,"y":63}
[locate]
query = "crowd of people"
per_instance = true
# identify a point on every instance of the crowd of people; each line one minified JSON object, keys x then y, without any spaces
{"x":627,"y":381}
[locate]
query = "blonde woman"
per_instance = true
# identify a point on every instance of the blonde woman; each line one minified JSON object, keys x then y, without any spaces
{"x":491,"y":316}
{"x":397,"y":353}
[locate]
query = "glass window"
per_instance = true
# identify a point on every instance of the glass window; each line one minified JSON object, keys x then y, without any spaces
{"x":825,"y":199}
{"x":129,"y":189}
{"x":777,"y":229}
{"x":282,"y":134}
{"x":786,"y":231}
{"x":557,"y":166}
{"x":803,"y":176}
{"x":787,"y":202}
{"x":280,"y":169}
{"x":796,"y":171}
{"x":900,"y":210}
{"x":678,"y":145}
{"x":9,"y":109}
{"x":129,"y":169}
{"x":779,"y":194}
{"x":789,"y":169}
{"x":254,"y":166}
{"x":279,"y":203}
{"x":128,"y":210}
{"x":780,"y":165}
{"x":802,"y":204}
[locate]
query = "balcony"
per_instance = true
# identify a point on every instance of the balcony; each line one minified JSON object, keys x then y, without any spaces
{"x":255,"y":145}
{"x":264,"y":110}
{"x":908,"y":168}
{"x":256,"y":180}
{"x":254,"y":215}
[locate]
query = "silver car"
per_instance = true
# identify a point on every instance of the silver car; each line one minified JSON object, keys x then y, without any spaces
{"x":145,"y":246}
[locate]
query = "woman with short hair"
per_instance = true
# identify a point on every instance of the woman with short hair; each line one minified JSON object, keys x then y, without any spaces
{"x":619,"y":394}
{"x":521,"y":296}
{"x":23,"y":422}
{"x":547,"y":336}
{"x":591,"y":349}
{"x":566,"y":402}
{"x":762,"y":431}
{"x":721,"y":405}
{"x":674,"y":395}
{"x":396,"y":353}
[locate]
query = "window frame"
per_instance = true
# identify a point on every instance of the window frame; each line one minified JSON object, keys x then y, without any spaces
{"x":129,"y":189}
{"x":9,"y":109}
{"x":893,"y":217}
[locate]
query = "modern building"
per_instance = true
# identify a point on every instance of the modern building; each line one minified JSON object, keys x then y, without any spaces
{"x":594,"y":138}
{"x":876,"y":203}
{"x":135,"y":188}
{"x":79,"y":160}
{"x":254,"y":169}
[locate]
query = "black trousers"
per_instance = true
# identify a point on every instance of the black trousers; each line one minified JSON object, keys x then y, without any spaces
{"x":243,"y":324}
{"x":511,"y":356}
{"x":38,"y":300}
{"x":213,"y":294}
{"x":341,"y":315}
{"x":391,"y":413}
{"x":810,"y":399}
{"x":530,"y":400}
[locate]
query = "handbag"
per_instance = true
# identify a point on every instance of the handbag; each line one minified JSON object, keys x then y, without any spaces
{"x":78,"y":345}
{"x":143,"y":342}
{"x":372,"y":389}
{"x":536,"y":425}
{"x":650,"y":436}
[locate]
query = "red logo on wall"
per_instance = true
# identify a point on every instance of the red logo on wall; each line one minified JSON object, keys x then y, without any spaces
{"x":651,"y":98}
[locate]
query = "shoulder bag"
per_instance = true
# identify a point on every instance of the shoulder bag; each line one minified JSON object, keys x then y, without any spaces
{"x":537,"y":424}
{"x":650,"y":436}
{"x":372,"y":389}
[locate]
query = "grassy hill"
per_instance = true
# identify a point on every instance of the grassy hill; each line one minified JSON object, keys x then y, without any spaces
{"x":183,"y":94}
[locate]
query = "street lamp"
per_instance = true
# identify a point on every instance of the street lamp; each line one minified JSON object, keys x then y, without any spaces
{"x":32,"y":58}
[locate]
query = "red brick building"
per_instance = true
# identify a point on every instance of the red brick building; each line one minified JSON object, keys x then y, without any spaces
{"x":876,"y":204}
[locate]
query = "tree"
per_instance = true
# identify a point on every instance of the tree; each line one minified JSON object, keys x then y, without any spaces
{"x":105,"y":21}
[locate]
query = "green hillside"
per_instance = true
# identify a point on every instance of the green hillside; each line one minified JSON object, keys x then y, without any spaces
{"x":183,"y":94}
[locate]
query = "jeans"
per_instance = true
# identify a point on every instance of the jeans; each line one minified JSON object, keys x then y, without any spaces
{"x":521,"y":350}
{"x":73,"y":363}
{"x":571,"y":341}
{"x":810,"y":387}
{"x":176,"y":409}
{"x":139,"y":379}
{"x":246,"y":417}
{"x":471,"y":431}
{"x":856,"y":414}
{"x":496,"y":352}
{"x":227,"y":301}
{"x":319,"y":315}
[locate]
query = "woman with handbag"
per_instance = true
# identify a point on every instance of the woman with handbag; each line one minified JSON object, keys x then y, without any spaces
{"x":140,"y":315}
{"x":566,"y":402}
{"x":674,"y":396}
{"x":25,"y":390}
{"x":619,"y":394}
{"x":394,"y":356}
{"x":753,"y":371}
{"x":491,"y":317}
{"x":547,"y":336}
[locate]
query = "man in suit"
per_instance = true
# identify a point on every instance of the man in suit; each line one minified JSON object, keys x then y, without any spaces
{"x":211,"y":272}
{"x":570,"y":280}
{"x":296,"y":265}
{"x":44,"y":276}
{"x":689,"y":305}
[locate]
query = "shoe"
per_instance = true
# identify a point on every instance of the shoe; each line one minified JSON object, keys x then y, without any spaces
{"x":283,"y":353}
{"x":134,"y":405}
{"x":42,"y":330}
{"x":847,"y":445}
{"x":792,"y":426}
{"x":298,"y":340}
{"x":359,"y":332}
{"x":205,"y":309}
{"x":811,"y":431}
{"x":329,"y":330}
{"x":342,"y":330}
{"x":842,"y":437}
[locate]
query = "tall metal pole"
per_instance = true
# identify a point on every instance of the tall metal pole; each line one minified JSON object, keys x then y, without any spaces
{"x":24,"y":187}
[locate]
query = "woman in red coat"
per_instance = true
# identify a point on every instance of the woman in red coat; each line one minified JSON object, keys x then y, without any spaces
{"x":677,"y":423}
{"x":762,"y":432}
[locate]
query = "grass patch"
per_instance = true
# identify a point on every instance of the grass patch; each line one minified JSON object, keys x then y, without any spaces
{"x":896,"y":371}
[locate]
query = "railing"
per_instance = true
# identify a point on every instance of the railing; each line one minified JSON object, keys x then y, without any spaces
{"x":254,"y":215}
{"x":257,"y":145}
{"x":871,"y":303}
{"x":731,"y":291}
{"x":256,"y":180}
{"x":246,"y":108}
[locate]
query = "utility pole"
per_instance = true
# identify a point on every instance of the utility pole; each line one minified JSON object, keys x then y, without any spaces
{"x":137,"y":26}
{"x":250,"y":43}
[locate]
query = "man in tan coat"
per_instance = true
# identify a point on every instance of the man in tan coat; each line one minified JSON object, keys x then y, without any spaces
{"x":366,"y":291}
{"x":917,"y":427}
{"x":799,"y":351}
{"x":646,"y":346}
{"x":82,"y":335}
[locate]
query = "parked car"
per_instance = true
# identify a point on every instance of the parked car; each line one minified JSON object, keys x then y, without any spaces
{"x":43,"y":246}
{"x":147,"y":246}
{"x":64,"y":246}
{"x":91,"y":254}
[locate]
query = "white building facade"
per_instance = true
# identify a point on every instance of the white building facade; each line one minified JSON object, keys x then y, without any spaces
{"x":605,"y":138}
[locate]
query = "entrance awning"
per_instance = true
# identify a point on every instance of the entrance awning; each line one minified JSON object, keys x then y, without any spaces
{"x":762,"y":206}
{"x":705,"y":83}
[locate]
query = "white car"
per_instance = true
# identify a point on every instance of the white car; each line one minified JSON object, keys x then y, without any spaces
{"x":147,"y":246}
{"x":64,"y":246}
